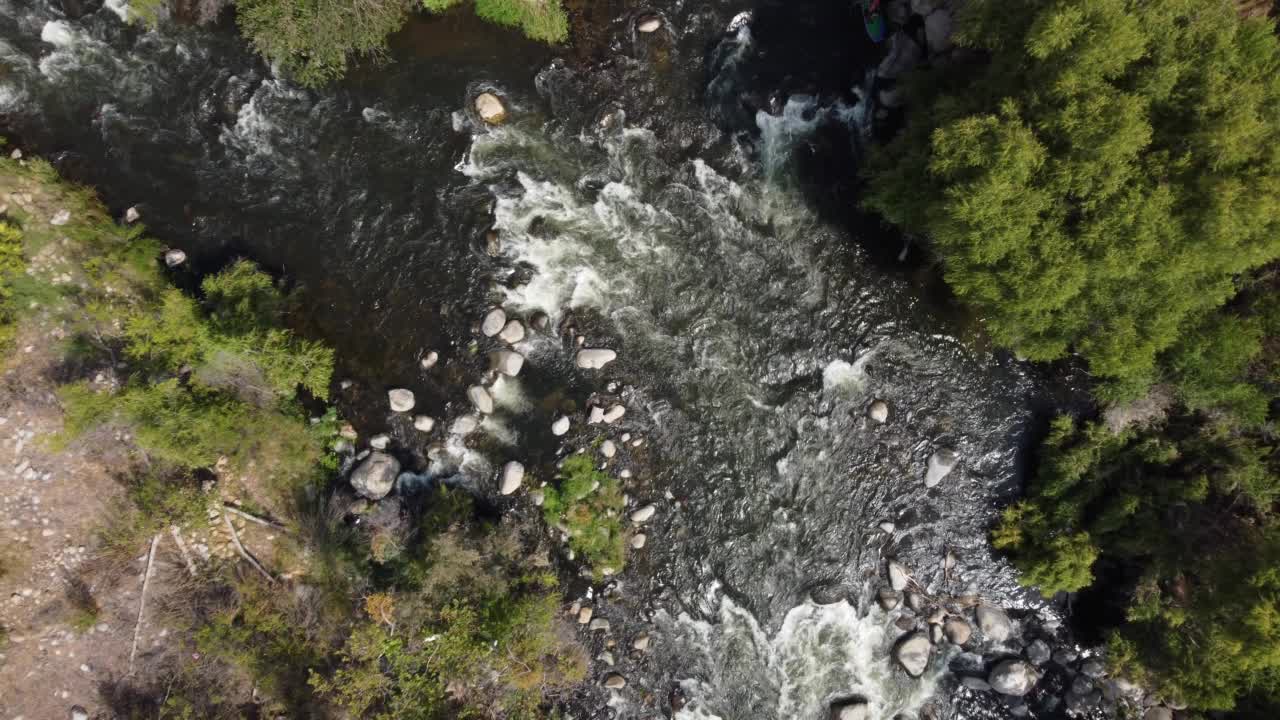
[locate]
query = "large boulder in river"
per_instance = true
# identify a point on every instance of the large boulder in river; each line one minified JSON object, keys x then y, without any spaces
{"x":1012,"y":677}
{"x":912,"y":653}
{"x":493,"y":322}
{"x":940,"y":465}
{"x":491,"y":108}
{"x":957,"y":631}
{"x":481,"y":399}
{"x":507,"y":362}
{"x":375,"y":477}
{"x":994,"y":623}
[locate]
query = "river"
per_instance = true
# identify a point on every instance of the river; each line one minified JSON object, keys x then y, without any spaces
{"x":652,"y":190}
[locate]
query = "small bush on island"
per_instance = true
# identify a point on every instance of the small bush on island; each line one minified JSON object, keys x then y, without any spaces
{"x":588,"y":505}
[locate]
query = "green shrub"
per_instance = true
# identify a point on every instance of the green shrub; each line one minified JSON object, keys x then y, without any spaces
{"x":588,"y":504}
{"x":542,"y":20}
{"x":12,"y":265}
{"x":315,"y":40}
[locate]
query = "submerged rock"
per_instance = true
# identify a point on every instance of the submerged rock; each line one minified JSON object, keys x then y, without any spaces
{"x":491,"y":108}
{"x":1038,"y":652}
{"x":912,"y":653}
{"x":493,"y":322}
{"x":465,"y":425}
{"x":481,"y":399}
{"x":401,"y":400}
{"x":376,"y":476}
{"x":994,"y":623}
{"x":595,"y":358}
{"x":957,"y":631}
{"x":898,"y":576}
{"x":940,"y":465}
{"x":615,"y":681}
{"x":1012,"y":677}
{"x":878,"y":411}
{"x":852,"y":709}
{"x":512,"y":477}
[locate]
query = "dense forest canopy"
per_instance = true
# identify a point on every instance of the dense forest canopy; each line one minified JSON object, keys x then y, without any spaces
{"x":1102,"y":177}
{"x":1101,"y":182}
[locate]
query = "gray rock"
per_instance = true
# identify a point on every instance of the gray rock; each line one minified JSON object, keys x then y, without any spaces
{"x":853,"y":709}
{"x":1093,"y":668}
{"x":79,"y":713}
{"x":174,"y":258}
{"x":599,"y":625}
{"x":898,"y":576}
{"x":512,"y":332}
{"x":60,"y":218}
{"x":490,"y":108}
{"x":649,"y":24}
{"x":641,"y":642}
{"x":994,"y":623}
{"x":958,"y":631}
{"x":493,"y":322}
{"x":1065,"y":656}
{"x":643,"y":514}
{"x":1082,"y":685}
{"x":638,"y":540}
{"x":1079,"y":704}
{"x":887,"y":527}
{"x":424,"y":423}
{"x":915,"y":601}
{"x":938,"y":31}
{"x":132,"y":215}
{"x":480,"y":398}
{"x":595,"y":358}
{"x":613,"y":414}
{"x":614,"y":681}
{"x":380,"y":441}
{"x":1038,"y":652}
{"x":975,"y":683}
{"x":512,"y":477}
{"x":584,"y":615}
{"x":904,"y":54}
{"x":941,"y":464}
{"x":935,"y":634}
{"x":878,"y":411}
{"x":560,"y":426}
{"x":608,"y":449}
{"x":507,"y":362}
{"x":888,"y":599}
{"x":1012,"y":677}
{"x":376,"y":476}
{"x":912,"y":653}
{"x":539,"y":321}
{"x":1158,"y":712}
{"x":401,"y":400}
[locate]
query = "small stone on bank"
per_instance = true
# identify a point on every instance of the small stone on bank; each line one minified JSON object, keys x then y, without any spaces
{"x":913,"y":654}
{"x":132,"y":215}
{"x":879,"y":411}
{"x":614,"y":414}
{"x":507,"y":362}
{"x":898,"y":576}
{"x":174,"y":258}
{"x":608,"y":449}
{"x":424,"y":423}
{"x":644,"y":513}
{"x":638,"y":540}
{"x":62,"y":217}
{"x":615,"y":681}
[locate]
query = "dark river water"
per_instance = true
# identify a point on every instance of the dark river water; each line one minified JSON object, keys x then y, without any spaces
{"x":658,"y":192}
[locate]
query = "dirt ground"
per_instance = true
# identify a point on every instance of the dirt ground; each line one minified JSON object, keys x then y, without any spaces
{"x":67,"y":617}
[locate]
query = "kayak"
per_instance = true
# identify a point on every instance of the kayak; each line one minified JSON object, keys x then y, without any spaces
{"x":874,"y":20}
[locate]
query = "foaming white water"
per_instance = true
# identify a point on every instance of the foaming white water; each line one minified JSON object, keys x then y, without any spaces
{"x":841,"y":376}
{"x":120,"y":8}
{"x":821,"y":653}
